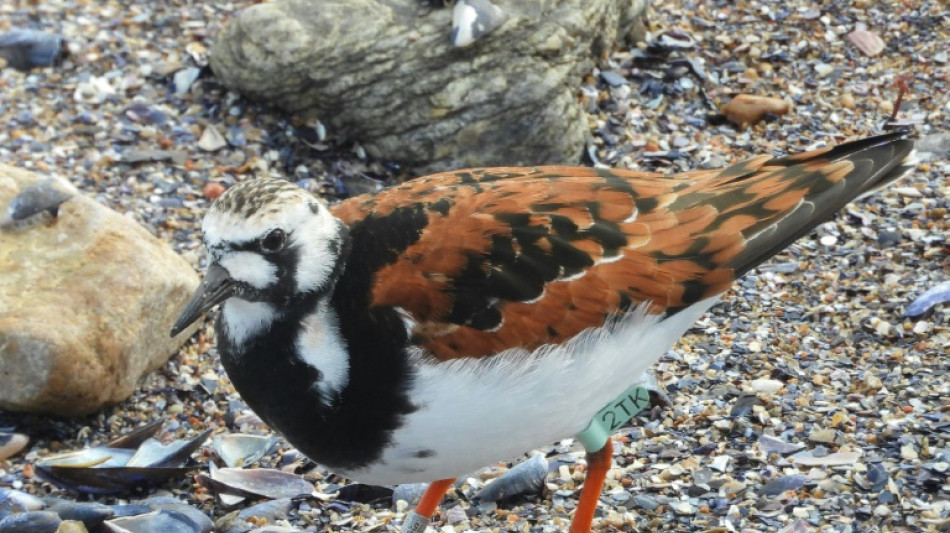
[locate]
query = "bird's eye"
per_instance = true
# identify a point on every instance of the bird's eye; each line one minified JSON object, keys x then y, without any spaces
{"x":274,"y":241}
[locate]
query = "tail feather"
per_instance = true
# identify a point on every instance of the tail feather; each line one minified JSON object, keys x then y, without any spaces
{"x":868,"y":165}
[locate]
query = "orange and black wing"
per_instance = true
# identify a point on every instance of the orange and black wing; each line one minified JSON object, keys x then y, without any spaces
{"x":488,"y":259}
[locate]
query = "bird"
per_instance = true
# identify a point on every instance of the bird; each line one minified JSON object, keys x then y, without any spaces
{"x":463,"y":318}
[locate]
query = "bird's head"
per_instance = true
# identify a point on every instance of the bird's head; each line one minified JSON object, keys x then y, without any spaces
{"x":269,"y":243}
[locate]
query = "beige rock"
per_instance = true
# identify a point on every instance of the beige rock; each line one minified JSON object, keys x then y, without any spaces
{"x":385,"y":72}
{"x":86,"y":303}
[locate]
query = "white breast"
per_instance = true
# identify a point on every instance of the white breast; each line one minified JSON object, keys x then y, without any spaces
{"x":475,"y":412}
{"x":320,"y":346}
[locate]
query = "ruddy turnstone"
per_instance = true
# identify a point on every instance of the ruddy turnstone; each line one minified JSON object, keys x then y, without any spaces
{"x":463,"y":318}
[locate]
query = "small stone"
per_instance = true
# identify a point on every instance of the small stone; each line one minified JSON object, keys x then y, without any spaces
{"x":750,"y":74}
{"x":823,"y":435}
{"x":828,"y":240}
{"x":212,"y":190}
{"x":212,"y":140}
{"x":847,"y":101}
{"x":684,"y":508}
{"x":11,"y":444}
{"x":886,"y":106}
{"x":823,"y":70}
{"x":909,"y":452}
{"x":770,"y":386}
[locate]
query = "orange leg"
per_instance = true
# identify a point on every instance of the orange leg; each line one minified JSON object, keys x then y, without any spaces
{"x":598,"y":463}
{"x":417,"y":520}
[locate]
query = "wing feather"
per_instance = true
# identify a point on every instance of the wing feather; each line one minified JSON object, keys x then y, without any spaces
{"x":521,"y":257}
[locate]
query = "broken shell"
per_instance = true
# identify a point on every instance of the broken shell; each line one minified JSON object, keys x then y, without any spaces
{"x":36,"y":203}
{"x":241,"y":450}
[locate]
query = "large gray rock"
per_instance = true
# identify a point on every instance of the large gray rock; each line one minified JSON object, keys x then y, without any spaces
{"x":384,"y":72}
{"x":86,"y":303}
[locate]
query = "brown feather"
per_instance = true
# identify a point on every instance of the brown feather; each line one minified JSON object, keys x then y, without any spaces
{"x":683,"y":238}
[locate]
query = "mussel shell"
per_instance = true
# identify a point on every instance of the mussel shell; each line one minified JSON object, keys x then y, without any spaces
{"x":98,"y":457}
{"x":137,"y":436}
{"x":256,"y":482}
{"x":237,"y":450}
{"x":110,"y":480}
{"x":34,"y":203}
{"x":152,"y":453}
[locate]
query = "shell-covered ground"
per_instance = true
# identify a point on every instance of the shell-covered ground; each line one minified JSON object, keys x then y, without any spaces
{"x":811,"y":350}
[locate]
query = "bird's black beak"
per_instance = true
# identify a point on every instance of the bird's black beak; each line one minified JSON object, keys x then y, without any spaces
{"x":214,"y":289}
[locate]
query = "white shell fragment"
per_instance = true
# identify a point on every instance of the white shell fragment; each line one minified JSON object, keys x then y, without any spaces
{"x":473,"y":19}
{"x":36,"y":204}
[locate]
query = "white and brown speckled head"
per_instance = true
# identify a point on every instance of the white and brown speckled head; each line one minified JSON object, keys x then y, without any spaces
{"x":258,"y":227}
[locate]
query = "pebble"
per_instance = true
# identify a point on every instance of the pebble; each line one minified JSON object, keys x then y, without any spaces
{"x":212,"y":190}
{"x":11,"y":443}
